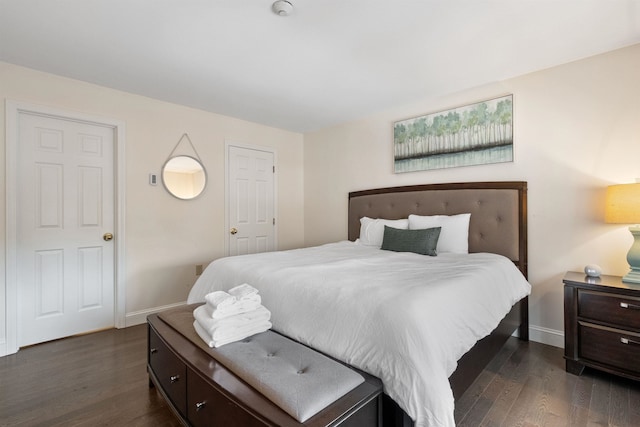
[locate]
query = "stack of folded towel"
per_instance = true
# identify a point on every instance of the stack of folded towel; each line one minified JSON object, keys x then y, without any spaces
{"x":231,"y":316}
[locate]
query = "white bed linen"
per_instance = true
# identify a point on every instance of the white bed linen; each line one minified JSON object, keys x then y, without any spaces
{"x":403,"y":317}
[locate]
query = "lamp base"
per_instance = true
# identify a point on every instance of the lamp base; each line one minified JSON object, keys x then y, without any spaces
{"x":632,"y":277}
{"x":633,"y":257}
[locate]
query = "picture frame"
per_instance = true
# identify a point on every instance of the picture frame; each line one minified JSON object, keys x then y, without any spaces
{"x":475,"y":134}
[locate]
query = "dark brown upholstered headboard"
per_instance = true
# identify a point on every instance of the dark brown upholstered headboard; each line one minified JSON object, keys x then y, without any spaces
{"x":498,"y":212}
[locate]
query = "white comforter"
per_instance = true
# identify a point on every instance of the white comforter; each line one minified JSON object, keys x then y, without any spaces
{"x":402,"y":317}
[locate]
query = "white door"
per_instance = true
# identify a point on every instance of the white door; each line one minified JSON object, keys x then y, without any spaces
{"x":251,"y":201}
{"x":65,"y":210}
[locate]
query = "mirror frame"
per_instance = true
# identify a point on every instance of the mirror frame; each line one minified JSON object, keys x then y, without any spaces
{"x":204,"y":170}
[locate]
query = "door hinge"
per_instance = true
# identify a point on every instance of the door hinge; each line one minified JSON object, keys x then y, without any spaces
{"x":274,"y":221}
{"x":274,"y":169}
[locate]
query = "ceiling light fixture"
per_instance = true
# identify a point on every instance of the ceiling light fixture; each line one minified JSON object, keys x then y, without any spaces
{"x":282,"y":8}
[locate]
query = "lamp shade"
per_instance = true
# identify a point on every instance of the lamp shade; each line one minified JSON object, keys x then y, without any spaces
{"x":623,"y":204}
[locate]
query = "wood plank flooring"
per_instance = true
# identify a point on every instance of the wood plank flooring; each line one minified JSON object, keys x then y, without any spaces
{"x":100,"y":379}
{"x":526,"y":385}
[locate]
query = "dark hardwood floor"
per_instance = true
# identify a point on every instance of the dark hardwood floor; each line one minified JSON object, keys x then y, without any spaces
{"x":100,"y":379}
{"x":526,"y":385}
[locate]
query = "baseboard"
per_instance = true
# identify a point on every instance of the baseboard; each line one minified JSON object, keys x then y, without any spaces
{"x":546,"y":336}
{"x":140,"y":317}
{"x":3,"y":349}
{"x":6,"y":349}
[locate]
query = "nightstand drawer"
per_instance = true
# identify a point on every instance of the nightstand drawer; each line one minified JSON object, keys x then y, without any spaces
{"x":609,"y":308}
{"x":609,"y":346}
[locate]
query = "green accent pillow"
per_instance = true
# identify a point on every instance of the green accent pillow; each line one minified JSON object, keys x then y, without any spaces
{"x":421,"y":241}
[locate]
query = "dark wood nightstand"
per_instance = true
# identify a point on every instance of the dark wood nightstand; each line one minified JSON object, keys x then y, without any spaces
{"x":601,"y":325}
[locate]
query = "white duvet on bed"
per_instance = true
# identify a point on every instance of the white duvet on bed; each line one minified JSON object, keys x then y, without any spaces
{"x":403,"y":317}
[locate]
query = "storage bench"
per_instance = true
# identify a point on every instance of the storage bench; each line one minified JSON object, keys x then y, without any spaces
{"x":202,"y":390}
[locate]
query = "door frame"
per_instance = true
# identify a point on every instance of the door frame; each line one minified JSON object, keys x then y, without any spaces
{"x":227,"y":223}
{"x":12,"y":112}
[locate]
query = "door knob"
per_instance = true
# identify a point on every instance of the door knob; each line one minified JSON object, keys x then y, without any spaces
{"x":233,"y":230}
{"x":107,"y":236}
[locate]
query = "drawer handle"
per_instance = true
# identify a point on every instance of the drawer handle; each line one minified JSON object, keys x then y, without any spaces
{"x":200,"y":405}
{"x":153,"y":350}
{"x":630,"y":306}
{"x":174,"y":378}
{"x":628,"y":341}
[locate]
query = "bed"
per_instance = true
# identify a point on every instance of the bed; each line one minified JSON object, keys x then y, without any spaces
{"x":337,"y":299}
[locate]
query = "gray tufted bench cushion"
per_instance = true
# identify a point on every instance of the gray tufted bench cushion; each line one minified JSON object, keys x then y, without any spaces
{"x":296,"y":378}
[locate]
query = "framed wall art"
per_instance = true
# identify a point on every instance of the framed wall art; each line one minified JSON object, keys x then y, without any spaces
{"x":474,"y":134}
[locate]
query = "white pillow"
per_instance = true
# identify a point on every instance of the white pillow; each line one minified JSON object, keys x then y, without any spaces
{"x":372,"y":230}
{"x":454,"y":233}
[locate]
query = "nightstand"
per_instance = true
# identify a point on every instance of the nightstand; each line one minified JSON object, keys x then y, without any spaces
{"x":601,"y":324}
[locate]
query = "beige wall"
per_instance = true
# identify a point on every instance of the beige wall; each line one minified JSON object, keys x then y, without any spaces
{"x":165,"y":237}
{"x":576,"y":129}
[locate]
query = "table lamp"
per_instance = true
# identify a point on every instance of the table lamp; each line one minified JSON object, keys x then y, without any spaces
{"x":623,"y":207}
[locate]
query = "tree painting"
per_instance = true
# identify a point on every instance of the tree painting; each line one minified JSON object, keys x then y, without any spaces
{"x":474,"y":134}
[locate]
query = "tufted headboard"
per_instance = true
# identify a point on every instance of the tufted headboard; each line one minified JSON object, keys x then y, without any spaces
{"x":498,"y":212}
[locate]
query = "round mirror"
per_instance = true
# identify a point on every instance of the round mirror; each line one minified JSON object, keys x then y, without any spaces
{"x":184,"y":177}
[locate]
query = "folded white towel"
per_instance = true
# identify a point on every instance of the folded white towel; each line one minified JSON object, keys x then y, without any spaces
{"x":244,"y":291}
{"x":217,"y":343}
{"x":220,"y":300}
{"x":222,"y":329}
{"x":203,"y":334}
{"x":238,"y":307}
{"x":240,"y":299}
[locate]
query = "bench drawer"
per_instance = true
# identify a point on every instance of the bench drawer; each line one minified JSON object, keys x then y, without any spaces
{"x":170,"y":371}
{"x":207,"y":407}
